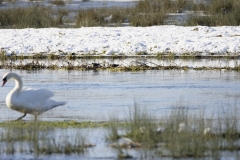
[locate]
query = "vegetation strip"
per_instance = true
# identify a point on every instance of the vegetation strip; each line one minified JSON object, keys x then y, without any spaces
{"x":83,"y":65}
{"x":144,"y":13}
{"x":73,"y":56}
{"x":180,"y":134}
{"x":58,"y":124}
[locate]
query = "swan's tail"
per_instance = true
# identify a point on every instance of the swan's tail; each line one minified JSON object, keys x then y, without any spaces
{"x":52,"y":104}
{"x":56,"y":104}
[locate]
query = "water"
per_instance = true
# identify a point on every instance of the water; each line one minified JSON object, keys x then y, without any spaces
{"x":101,"y":95}
{"x":73,"y":5}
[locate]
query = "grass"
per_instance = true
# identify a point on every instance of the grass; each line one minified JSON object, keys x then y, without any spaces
{"x":218,"y":13}
{"x":57,"y":124}
{"x":34,"y":138}
{"x":142,"y":127}
{"x":58,"y":2}
{"x":198,"y":138}
{"x":144,"y":13}
{"x":179,"y":134}
{"x":54,"y":62}
{"x":31,"y":17}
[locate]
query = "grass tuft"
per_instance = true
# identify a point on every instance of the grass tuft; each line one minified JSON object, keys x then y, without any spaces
{"x":180,"y":134}
{"x":32,"y":137}
{"x":31,"y":17}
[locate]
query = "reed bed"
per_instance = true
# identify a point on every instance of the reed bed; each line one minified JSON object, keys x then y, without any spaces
{"x":143,"y":13}
{"x":36,"y":138}
{"x":217,"y":13}
{"x":181,"y":134}
{"x":31,"y":17}
{"x":83,"y":64}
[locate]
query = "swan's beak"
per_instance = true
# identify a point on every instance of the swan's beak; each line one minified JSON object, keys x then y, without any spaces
{"x":4,"y":81}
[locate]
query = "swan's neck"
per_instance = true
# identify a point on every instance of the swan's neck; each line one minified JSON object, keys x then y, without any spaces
{"x":18,"y":83}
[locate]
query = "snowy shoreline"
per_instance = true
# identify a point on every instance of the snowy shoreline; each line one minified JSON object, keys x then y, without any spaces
{"x":123,"y":41}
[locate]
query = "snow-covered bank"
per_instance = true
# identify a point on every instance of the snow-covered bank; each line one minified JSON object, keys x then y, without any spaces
{"x":127,"y":41}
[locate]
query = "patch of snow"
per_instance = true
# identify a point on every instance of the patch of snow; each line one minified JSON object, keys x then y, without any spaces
{"x":126,"y":41}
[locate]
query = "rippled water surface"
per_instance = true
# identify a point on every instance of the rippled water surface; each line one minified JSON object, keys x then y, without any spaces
{"x":101,"y":95}
{"x":70,"y":5}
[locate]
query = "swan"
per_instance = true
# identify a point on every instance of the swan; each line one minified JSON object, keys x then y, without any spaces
{"x":28,"y":100}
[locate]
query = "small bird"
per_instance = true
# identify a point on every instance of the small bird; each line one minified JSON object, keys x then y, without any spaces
{"x":108,"y":19}
{"x":96,"y":65}
{"x":28,"y":100}
{"x":114,"y":65}
{"x":182,"y":127}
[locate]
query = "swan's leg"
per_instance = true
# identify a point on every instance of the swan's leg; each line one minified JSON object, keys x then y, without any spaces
{"x":22,"y":117}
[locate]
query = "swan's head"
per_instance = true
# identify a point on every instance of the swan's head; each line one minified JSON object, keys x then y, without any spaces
{"x":15,"y":77}
{"x":6,"y":77}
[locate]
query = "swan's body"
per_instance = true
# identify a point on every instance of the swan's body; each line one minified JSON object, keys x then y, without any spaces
{"x":28,"y":100}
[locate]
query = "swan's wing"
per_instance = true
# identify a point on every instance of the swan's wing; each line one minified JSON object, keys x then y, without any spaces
{"x":41,"y":94}
{"x":32,"y":99}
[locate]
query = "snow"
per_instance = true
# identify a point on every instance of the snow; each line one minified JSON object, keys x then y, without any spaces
{"x":127,"y":41}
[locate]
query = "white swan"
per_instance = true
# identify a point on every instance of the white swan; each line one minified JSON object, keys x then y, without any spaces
{"x":28,"y":100}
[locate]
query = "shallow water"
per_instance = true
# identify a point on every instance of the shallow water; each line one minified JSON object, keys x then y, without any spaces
{"x":70,"y":5}
{"x":102,"y":95}
{"x":96,"y":136}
